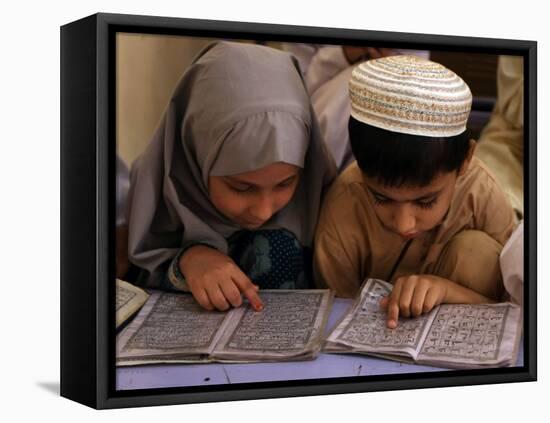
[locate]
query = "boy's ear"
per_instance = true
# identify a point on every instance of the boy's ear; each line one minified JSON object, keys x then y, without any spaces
{"x":468,"y":159}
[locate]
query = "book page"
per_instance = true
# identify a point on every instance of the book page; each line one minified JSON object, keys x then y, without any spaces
{"x":290,"y":326}
{"x":129,"y":299}
{"x":170,"y":326}
{"x":464,"y":335}
{"x":364,"y":327}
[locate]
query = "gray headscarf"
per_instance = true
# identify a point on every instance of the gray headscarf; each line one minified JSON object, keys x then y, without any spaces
{"x":238,"y":108}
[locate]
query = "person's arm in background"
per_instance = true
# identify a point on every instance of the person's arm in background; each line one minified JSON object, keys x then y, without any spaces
{"x":320,"y":63}
{"x":329,"y":61}
{"x":303,"y":52}
{"x":326,"y":70}
{"x":330,"y":98}
{"x":501,"y":141}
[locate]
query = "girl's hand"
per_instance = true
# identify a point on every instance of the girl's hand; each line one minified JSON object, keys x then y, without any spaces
{"x":215,"y":280}
{"x":414,"y":295}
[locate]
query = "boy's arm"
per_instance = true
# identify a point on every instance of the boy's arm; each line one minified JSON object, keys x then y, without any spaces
{"x":458,"y":294}
{"x":497,"y":218}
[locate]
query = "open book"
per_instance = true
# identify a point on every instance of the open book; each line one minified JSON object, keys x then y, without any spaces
{"x":451,"y":335}
{"x":129,"y":299}
{"x":173,"y":328}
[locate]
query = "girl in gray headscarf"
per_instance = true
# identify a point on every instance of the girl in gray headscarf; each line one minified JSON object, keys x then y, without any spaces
{"x":225,"y":199}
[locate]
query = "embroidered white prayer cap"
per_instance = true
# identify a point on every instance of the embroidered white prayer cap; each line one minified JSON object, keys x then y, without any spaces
{"x":411,"y":95}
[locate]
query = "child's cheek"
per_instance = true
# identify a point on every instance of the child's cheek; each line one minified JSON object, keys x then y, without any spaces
{"x":435,"y":215}
{"x":240,"y":207}
{"x":384,"y":214}
{"x":284,"y":198}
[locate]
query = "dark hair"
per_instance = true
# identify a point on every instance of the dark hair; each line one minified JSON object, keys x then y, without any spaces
{"x":395,"y":159}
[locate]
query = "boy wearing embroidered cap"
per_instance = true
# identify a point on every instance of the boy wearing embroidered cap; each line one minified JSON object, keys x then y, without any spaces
{"x":416,"y":208}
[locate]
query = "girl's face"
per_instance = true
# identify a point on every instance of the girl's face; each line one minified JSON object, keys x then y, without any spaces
{"x":250,"y":199}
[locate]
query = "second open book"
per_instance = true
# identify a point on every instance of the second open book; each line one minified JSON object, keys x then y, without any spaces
{"x":451,"y":335}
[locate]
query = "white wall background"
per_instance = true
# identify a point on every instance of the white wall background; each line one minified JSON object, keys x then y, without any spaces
{"x":29,"y":308}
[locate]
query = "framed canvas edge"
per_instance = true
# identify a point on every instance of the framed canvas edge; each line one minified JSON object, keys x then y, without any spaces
{"x":105,"y":396}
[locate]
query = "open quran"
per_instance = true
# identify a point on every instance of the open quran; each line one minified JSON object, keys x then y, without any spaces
{"x":129,"y":299}
{"x":174,"y":328}
{"x":451,"y":335}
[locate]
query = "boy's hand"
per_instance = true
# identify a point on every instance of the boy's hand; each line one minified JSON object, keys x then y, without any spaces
{"x":414,"y":295}
{"x":215,"y":280}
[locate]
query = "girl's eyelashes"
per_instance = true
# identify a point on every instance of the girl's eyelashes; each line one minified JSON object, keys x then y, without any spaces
{"x":245,"y":188}
{"x":286,"y":183}
{"x":240,"y":188}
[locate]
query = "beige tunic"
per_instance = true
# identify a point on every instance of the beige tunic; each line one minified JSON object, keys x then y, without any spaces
{"x":351,"y":244}
{"x":501,"y":142}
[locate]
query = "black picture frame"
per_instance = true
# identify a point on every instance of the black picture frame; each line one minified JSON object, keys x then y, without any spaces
{"x":88,"y":208}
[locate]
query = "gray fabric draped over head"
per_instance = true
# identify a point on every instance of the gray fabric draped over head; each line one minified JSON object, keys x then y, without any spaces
{"x":238,"y":108}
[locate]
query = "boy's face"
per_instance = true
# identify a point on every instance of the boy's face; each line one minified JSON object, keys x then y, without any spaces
{"x":250,"y":199}
{"x":410,"y":211}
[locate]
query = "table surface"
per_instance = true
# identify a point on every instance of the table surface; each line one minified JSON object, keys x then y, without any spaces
{"x":324,"y":366}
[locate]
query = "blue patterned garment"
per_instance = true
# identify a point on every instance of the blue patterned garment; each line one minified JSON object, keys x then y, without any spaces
{"x":272,"y":259}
